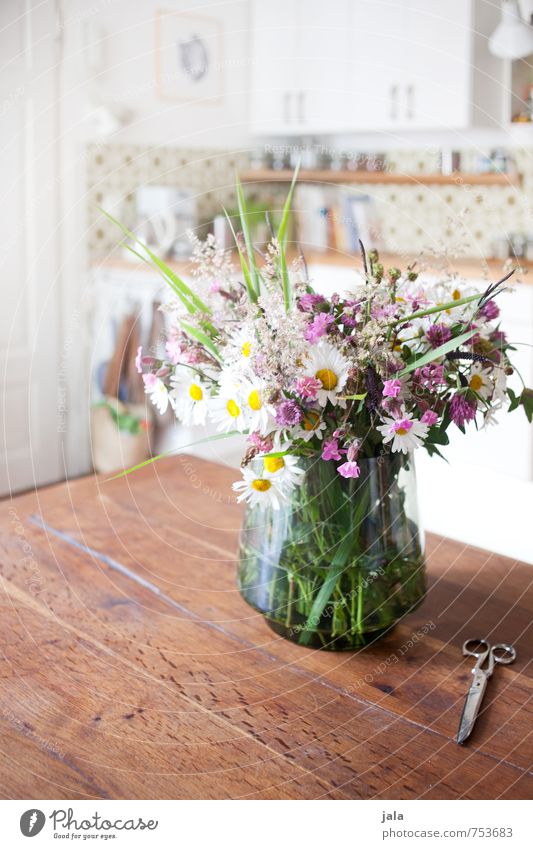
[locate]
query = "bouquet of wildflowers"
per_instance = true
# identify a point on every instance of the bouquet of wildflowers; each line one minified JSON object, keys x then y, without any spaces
{"x":381,"y":370}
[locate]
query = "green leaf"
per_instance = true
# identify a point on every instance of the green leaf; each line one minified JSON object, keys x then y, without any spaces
{"x":432,"y":450}
{"x":201,"y":337}
{"x":354,"y":397}
{"x":151,"y":460}
{"x":515,"y":400}
{"x":436,"y":436}
{"x":176,"y":283}
{"x":243,"y":214}
{"x":245,"y":270}
{"x":526,"y":399}
{"x":441,"y":351}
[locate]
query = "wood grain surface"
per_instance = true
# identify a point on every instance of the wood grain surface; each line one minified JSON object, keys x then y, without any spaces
{"x":131,"y":668}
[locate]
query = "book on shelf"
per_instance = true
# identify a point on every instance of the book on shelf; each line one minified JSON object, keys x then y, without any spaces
{"x":328,"y":219}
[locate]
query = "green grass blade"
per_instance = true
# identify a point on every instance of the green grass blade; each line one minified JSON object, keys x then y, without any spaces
{"x":338,"y":565}
{"x":245,"y":270}
{"x":282,"y":229}
{"x":189,"y":306}
{"x":441,"y":351}
{"x":282,"y":239}
{"x":202,"y":338}
{"x":285,"y":279}
{"x":172,"y":452}
{"x":439,"y":308}
{"x":176,"y":283}
{"x":243,"y":214}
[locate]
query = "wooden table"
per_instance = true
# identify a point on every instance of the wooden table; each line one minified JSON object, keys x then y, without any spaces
{"x":131,"y":667}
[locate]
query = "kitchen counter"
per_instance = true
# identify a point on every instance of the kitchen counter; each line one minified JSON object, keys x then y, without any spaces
{"x":131,"y":667}
{"x":468,"y":267}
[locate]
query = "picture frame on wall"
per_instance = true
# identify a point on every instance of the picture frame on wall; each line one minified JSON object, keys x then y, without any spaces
{"x":189,"y":57}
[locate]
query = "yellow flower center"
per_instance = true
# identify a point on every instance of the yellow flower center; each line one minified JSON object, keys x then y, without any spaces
{"x":246,"y":348}
{"x":233,"y":409}
{"x":476,"y":382}
{"x":311,"y":420}
{"x":327,"y":378}
{"x":261,"y":485}
{"x":401,"y":431}
{"x":254,"y":400}
{"x":456,"y":295}
{"x":274,"y":464}
{"x":195,"y":392}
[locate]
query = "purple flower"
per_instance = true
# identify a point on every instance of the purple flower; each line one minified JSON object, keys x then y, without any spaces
{"x":461,"y":410}
{"x":392,"y":388}
{"x":308,"y":302}
{"x":150,"y":381}
{"x":429,"y":377}
{"x":308,"y":387}
{"x":429,"y":418}
{"x":173,"y":350}
{"x":438,"y":334}
{"x":349,"y":313}
{"x":138,"y":359}
{"x":288,"y":413}
{"x":490,"y":310}
{"x":349,"y":469}
{"x":263,"y":444}
{"x":318,"y":327}
{"x":330,"y":450}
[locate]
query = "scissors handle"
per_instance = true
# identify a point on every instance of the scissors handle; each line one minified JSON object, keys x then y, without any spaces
{"x":506,"y":653}
{"x":482,"y":649}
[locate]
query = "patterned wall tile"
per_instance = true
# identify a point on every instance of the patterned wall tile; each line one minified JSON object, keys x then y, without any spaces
{"x":411,"y":218}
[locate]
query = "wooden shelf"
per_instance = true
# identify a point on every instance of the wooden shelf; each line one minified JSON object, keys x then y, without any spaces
{"x":350,"y":177}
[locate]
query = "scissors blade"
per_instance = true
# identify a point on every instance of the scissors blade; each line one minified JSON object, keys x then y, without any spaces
{"x":471,"y":707}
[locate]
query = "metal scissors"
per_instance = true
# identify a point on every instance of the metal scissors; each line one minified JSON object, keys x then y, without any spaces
{"x":482,"y":650}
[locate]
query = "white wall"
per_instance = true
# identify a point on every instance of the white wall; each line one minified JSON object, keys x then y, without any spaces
{"x":120,"y":40}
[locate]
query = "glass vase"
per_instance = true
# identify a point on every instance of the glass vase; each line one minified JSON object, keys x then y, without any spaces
{"x":342,"y":561}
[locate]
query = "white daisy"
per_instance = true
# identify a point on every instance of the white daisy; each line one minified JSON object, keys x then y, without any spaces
{"x":241,"y":345}
{"x":227,"y":412}
{"x":311,"y":425}
{"x":257,"y":411}
{"x":258,"y":490}
{"x":283,"y":470}
{"x":405,"y":432}
{"x":480,"y":381}
{"x":326,"y":363}
{"x":190,"y":397}
{"x":158,"y":392}
{"x":500,"y":386}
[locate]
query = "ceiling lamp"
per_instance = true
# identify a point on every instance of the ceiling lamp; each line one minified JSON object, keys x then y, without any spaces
{"x":512,"y":38}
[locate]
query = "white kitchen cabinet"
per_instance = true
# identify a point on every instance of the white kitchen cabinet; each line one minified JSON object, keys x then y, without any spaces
{"x":274,"y":97}
{"x":349,"y":65}
{"x":411,"y":66}
{"x":438,"y":68}
{"x":299,"y":66}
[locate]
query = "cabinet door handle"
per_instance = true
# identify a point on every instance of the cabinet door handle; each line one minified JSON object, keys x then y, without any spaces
{"x":410,"y":92}
{"x":286,"y":107}
{"x":301,"y":107}
{"x":393,"y":97}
